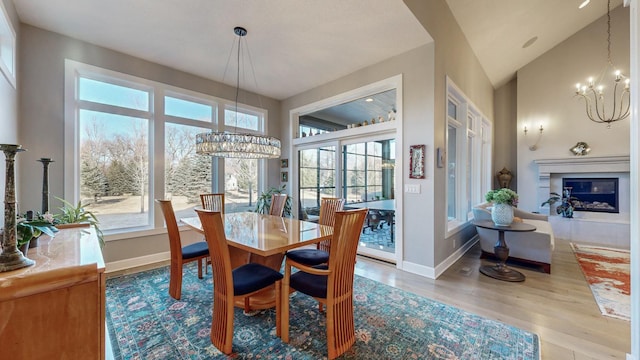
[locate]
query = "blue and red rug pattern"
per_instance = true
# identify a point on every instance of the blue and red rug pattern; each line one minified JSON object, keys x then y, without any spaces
{"x":144,"y":322}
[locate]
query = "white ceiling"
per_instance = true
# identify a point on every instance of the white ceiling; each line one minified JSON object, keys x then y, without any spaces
{"x":296,"y":45}
{"x":497,"y":29}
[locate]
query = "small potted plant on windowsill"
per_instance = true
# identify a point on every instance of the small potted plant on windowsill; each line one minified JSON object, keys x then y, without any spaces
{"x":75,"y":216}
{"x":263,"y":204}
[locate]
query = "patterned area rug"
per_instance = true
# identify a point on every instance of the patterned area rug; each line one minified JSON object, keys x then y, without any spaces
{"x":607,"y":272}
{"x":144,"y":322}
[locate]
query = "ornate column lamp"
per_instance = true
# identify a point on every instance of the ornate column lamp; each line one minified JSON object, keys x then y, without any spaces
{"x":45,"y":183}
{"x":11,"y":258}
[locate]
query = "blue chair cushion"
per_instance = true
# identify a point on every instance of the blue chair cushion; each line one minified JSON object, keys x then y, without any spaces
{"x":310,"y":284}
{"x":309,"y":257}
{"x":195,"y":250}
{"x":252,"y":277}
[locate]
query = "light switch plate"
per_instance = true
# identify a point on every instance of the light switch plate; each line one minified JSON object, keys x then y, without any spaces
{"x":412,"y":188}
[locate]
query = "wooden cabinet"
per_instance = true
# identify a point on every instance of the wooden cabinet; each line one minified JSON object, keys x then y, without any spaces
{"x":56,"y":308}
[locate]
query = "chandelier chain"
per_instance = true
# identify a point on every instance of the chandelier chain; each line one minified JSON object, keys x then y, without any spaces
{"x":609,"y":33}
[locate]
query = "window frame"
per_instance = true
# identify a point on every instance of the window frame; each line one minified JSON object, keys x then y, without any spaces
{"x":157,"y":124}
{"x":473,"y":157}
{"x":7,"y":44}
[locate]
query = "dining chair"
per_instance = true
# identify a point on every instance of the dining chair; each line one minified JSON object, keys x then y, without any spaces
{"x":180,"y":255}
{"x":213,"y":202}
{"x":330,"y":284}
{"x":233,"y":285}
{"x":278,"y":201}
{"x":320,"y":255}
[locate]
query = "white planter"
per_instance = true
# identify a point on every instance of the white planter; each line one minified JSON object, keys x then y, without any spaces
{"x":502,"y":214}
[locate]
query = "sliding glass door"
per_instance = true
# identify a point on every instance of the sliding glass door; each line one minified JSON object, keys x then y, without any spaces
{"x":363,"y":173}
{"x":368,"y":182}
{"x":316,"y":178}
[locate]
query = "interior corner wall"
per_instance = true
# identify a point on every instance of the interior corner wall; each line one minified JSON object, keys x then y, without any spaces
{"x":546,"y":89}
{"x":504,"y":132}
{"x":416,"y":67}
{"x":41,"y":129}
{"x":453,"y":58}
{"x":8,"y":104}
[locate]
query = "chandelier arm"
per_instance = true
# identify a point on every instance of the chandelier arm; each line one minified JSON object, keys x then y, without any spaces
{"x":615,"y":97}
{"x":595,"y":97}
{"x":587,"y":104}
{"x":626,"y":113}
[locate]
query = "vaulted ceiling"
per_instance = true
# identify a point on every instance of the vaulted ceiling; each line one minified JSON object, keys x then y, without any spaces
{"x":296,"y":45}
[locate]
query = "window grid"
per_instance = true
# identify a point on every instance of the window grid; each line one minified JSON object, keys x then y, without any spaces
{"x":170,"y":129}
{"x":468,"y":157}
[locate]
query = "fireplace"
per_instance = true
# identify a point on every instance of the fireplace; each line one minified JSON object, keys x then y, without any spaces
{"x":593,"y":194}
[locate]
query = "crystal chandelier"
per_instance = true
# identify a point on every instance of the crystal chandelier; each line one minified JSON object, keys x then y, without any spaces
{"x":594,"y":95}
{"x":237,"y":145}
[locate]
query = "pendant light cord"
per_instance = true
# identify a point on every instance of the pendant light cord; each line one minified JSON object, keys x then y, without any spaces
{"x":609,"y":33}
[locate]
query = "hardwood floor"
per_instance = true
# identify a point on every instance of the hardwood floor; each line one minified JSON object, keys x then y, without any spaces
{"x":558,"y":307}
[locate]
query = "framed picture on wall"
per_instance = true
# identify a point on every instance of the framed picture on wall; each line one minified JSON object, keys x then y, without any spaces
{"x":284,"y":176}
{"x":284,"y":163}
{"x":416,"y":161}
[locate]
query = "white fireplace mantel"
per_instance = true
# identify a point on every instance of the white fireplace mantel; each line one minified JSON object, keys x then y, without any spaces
{"x":584,"y":229}
{"x":546,"y":167}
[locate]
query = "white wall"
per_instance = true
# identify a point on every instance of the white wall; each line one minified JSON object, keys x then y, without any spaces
{"x":424,"y":73}
{"x":453,"y":58}
{"x":546,"y":89}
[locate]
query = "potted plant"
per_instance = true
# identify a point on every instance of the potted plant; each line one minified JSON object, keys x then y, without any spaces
{"x":263,"y":204}
{"x":503,"y":202}
{"x":29,"y":228}
{"x":77,"y":216}
{"x":566,"y":206}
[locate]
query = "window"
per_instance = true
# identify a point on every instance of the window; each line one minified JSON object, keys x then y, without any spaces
{"x":7,"y":47}
{"x":317,"y":177}
{"x":114,"y":123}
{"x":468,"y":157}
{"x":363,"y":170}
{"x":135,"y":142}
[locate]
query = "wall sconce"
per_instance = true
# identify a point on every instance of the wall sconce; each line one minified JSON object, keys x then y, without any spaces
{"x":533,"y":147}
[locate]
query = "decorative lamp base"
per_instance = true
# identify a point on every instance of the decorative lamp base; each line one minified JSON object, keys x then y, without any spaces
{"x":14,"y":260}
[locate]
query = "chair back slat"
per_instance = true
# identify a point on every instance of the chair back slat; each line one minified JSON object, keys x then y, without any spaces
{"x":213,"y":202}
{"x":175,"y":244}
{"x":344,"y":245}
{"x":342,"y":260}
{"x":278,"y":202}
{"x":328,"y":208}
{"x":222,"y":322}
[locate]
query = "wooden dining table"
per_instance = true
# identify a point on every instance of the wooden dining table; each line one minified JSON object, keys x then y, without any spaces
{"x":264,"y":239}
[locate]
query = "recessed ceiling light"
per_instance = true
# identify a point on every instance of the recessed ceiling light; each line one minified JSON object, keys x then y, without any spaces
{"x":529,"y":42}
{"x":369,"y":100}
{"x":584,"y":3}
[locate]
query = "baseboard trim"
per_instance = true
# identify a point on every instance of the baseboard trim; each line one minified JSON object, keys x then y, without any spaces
{"x":136,"y":262}
{"x":426,"y":271}
{"x":448,"y":262}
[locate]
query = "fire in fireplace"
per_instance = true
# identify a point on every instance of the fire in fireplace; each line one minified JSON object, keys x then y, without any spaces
{"x":593,"y":194}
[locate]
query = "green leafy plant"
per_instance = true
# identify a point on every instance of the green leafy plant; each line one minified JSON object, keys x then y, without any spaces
{"x":566,"y":203}
{"x":263,"y":204}
{"x":76,"y":214}
{"x":40,"y":224}
{"x":502,"y":196}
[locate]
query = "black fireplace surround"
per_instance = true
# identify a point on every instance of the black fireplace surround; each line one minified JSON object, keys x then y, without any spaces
{"x":593,"y":194}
